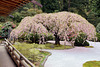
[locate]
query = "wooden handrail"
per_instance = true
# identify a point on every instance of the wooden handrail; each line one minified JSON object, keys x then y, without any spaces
{"x":21,"y":60}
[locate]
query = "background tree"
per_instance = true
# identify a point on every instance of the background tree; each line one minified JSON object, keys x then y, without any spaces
{"x":89,"y":9}
{"x":98,"y":28}
{"x":29,"y":9}
{"x":50,"y":6}
{"x":96,"y":4}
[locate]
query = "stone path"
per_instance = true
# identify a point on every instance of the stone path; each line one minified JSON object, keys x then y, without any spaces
{"x":5,"y":60}
{"x":73,"y":57}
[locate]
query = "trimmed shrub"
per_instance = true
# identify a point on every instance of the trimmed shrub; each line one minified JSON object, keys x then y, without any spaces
{"x":80,"y":43}
{"x":49,"y":37}
{"x":98,"y":28}
{"x":86,"y":43}
{"x":29,"y":37}
{"x":81,"y":40}
{"x":98,"y":36}
{"x":36,"y":36}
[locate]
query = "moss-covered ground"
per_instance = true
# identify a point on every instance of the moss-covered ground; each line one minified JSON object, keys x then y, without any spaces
{"x":36,"y":56}
{"x":57,"y":47}
{"x":29,"y":51}
{"x":92,"y":64}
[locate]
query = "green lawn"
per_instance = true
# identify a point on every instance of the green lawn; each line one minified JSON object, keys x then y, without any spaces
{"x":92,"y":64}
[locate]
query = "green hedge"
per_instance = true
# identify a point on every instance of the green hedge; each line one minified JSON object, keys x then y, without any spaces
{"x":98,"y":36}
{"x":98,"y":28}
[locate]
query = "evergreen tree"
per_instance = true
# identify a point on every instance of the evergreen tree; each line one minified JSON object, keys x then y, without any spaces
{"x":50,"y":6}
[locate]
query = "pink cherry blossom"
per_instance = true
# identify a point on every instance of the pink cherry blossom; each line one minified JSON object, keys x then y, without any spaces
{"x":65,"y":23}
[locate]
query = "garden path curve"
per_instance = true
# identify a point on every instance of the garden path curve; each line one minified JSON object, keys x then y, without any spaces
{"x":73,"y":57}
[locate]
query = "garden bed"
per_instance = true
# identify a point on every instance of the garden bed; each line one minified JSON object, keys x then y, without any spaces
{"x":34,"y":55}
{"x":57,"y":47}
{"x":37,"y":57}
{"x":92,"y":64}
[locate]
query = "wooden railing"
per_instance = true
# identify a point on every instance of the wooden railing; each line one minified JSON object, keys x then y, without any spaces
{"x":18,"y":58}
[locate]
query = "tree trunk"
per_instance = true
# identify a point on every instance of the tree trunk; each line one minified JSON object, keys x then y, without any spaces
{"x":57,"y":40}
{"x":40,"y":40}
{"x":68,"y":5}
{"x":43,"y":40}
{"x":9,"y":31}
{"x":72,"y":43}
{"x":65,"y":41}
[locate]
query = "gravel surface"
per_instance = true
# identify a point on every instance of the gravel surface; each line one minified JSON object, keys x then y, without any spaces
{"x":61,"y":42}
{"x":73,"y":57}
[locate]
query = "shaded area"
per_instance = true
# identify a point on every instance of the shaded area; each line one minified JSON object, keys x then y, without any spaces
{"x":5,"y":60}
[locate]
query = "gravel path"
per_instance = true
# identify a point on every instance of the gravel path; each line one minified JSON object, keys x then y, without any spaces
{"x":5,"y":60}
{"x":73,"y":57}
{"x":61,"y":42}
